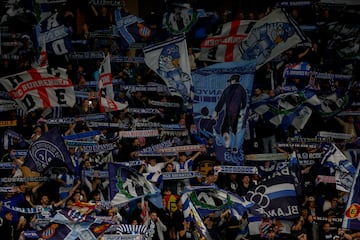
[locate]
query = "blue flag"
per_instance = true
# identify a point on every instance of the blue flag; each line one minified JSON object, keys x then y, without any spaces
{"x":56,"y":35}
{"x":50,"y":146}
{"x":222,"y":94}
{"x":352,"y":212}
{"x":71,"y":224}
{"x":129,"y":29}
{"x":275,"y":196}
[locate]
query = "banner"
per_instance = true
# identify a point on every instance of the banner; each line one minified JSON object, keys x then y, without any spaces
{"x":10,"y":123}
{"x":180,"y":18}
{"x":48,"y":147}
{"x":180,"y":175}
{"x":222,"y":95}
{"x":72,"y":224}
{"x":99,"y":148}
{"x":139,"y":133}
{"x":126,"y":184}
{"x":37,"y":88}
{"x":129,"y":29}
{"x":351,"y":219}
{"x":199,"y":202}
{"x":267,"y":157}
{"x":269,"y":37}
{"x":82,"y":135}
{"x":335,"y":135}
{"x":275,"y":196}
{"x":105,"y":88}
{"x":236,"y":169}
{"x":156,"y":147}
{"x":55,"y":34}
{"x":343,"y":168}
{"x":169,"y":59}
{"x":185,"y":148}
{"x":222,"y":47}
{"x":341,"y":2}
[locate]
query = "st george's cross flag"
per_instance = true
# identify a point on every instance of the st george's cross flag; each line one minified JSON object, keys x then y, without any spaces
{"x":40,"y":88}
{"x":105,"y":88}
{"x":221,"y":47}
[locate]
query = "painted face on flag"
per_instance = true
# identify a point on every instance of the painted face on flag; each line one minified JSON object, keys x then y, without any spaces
{"x":281,"y":32}
{"x":169,"y":58}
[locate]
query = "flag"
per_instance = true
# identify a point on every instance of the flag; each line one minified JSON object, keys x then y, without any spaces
{"x":269,"y":37}
{"x":343,"y":40}
{"x":43,"y":58}
{"x":126,"y":184}
{"x":275,"y":196}
{"x":351,"y":219}
{"x":154,"y":177}
{"x":105,"y":88}
{"x":220,"y":108}
{"x":295,"y":108}
{"x":199,"y":202}
{"x":284,"y":110}
{"x":180,"y":18}
{"x":222,"y":47}
{"x":169,"y":59}
{"x":129,"y":29}
{"x":71,"y":224}
{"x":295,"y":169}
{"x":343,"y":167}
{"x":260,"y":226}
{"x":341,"y":2}
{"x":50,"y":146}
{"x":39,"y":88}
{"x":56,"y":35}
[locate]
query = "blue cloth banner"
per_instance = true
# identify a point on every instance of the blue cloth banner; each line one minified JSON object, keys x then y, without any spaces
{"x":46,"y":148}
{"x":222,"y":94}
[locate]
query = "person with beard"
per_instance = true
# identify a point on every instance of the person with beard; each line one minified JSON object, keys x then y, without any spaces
{"x":155,"y":223}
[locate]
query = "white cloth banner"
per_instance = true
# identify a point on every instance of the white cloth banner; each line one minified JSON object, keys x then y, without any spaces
{"x":37,"y":88}
{"x":106,"y":91}
{"x":269,"y":37}
{"x":169,"y":59}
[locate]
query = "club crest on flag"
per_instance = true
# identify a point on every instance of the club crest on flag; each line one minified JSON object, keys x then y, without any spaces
{"x":49,"y":147}
{"x":50,"y":232}
{"x":180,"y":18}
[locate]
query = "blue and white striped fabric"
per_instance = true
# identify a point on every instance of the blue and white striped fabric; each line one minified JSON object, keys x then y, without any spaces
{"x":129,"y":29}
{"x":338,"y":163}
{"x":284,"y":110}
{"x":295,"y":108}
{"x":129,"y":228}
{"x":155,"y":177}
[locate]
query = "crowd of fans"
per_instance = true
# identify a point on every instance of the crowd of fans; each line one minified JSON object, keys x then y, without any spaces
{"x":322,"y":205}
